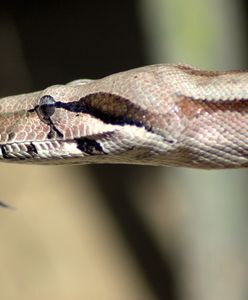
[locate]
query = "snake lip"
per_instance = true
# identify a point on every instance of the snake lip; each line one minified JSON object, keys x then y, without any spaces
{"x":50,"y":149}
{"x":27,"y":149}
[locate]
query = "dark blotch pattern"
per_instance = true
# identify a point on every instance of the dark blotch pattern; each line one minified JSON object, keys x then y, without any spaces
{"x":89,"y":146}
{"x":110,"y":108}
{"x":11,"y":136}
{"x":5,"y":152}
{"x":54,"y":132}
{"x":31,"y":149}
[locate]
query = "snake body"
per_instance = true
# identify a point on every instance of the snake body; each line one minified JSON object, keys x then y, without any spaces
{"x":172,"y":115}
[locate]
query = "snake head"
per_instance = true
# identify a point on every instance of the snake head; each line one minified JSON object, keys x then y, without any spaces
{"x":75,"y":123}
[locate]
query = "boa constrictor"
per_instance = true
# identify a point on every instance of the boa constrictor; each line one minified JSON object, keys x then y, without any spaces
{"x":172,"y":115}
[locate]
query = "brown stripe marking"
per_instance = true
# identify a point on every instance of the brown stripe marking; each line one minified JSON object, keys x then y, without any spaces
{"x":111,"y":109}
{"x":192,"y":108}
{"x":205,"y":73}
{"x":116,"y":110}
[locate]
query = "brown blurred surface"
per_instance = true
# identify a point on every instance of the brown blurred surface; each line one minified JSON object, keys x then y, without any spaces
{"x":60,"y":242}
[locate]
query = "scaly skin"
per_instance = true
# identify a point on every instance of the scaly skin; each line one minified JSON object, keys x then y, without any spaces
{"x":172,"y":115}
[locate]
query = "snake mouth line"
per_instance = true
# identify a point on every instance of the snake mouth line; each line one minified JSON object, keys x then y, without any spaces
{"x":27,"y":150}
{"x":49,"y":149}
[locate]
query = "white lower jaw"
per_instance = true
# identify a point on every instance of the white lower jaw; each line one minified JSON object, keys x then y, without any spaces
{"x":38,"y":152}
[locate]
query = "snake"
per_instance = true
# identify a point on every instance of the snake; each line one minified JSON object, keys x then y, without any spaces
{"x":162,"y":115}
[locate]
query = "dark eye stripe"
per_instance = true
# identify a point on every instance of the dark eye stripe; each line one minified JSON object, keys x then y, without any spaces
{"x":110,"y":108}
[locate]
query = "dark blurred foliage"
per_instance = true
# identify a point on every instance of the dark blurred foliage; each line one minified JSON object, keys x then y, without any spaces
{"x":64,"y":40}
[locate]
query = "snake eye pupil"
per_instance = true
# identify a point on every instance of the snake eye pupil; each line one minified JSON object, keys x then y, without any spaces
{"x":46,"y":106}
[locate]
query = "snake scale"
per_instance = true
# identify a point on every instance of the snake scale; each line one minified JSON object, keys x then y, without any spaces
{"x":166,"y":114}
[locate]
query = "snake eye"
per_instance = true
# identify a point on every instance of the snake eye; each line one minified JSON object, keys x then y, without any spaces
{"x":46,"y":107}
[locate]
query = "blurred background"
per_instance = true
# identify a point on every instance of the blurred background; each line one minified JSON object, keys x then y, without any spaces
{"x":120,"y":232}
